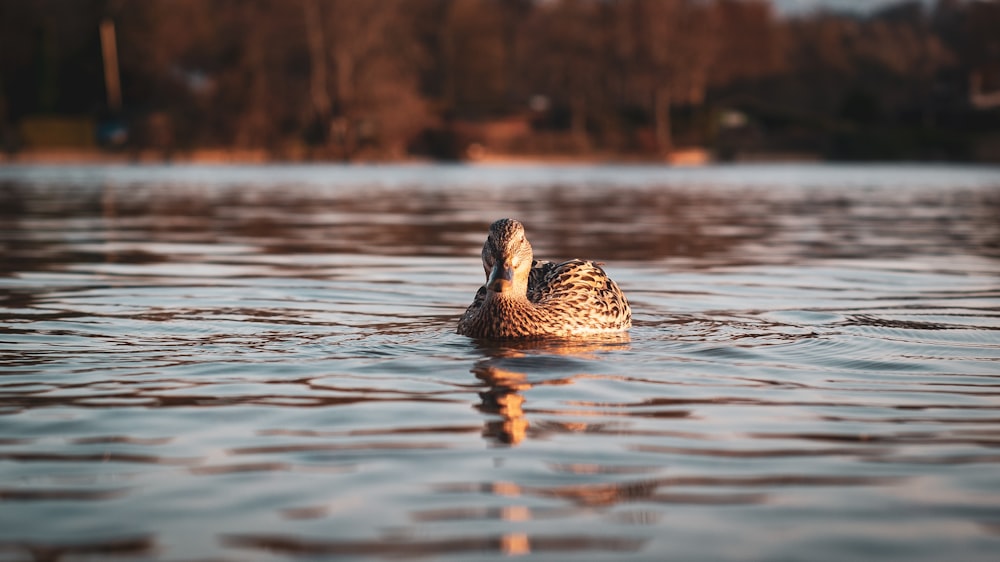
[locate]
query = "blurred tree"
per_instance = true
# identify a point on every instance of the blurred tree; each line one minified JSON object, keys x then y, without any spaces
{"x":900,"y":44}
{"x":476,"y":56}
{"x":210,"y":73}
{"x":375,"y":62}
{"x":666,"y":49}
{"x":982,"y":44}
{"x":750,"y":41}
{"x":50,"y":57}
{"x":348,"y":78}
{"x":570,"y":66}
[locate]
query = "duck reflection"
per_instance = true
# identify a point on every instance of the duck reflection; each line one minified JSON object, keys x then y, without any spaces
{"x":506,"y":384}
{"x":503,"y":397}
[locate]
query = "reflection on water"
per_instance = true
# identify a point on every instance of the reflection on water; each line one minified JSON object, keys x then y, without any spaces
{"x":505,"y":388}
{"x":260,"y":363}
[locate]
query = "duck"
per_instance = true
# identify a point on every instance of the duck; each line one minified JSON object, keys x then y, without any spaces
{"x":527,"y":298}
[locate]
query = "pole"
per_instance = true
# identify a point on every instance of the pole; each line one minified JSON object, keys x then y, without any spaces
{"x":110,"y":51}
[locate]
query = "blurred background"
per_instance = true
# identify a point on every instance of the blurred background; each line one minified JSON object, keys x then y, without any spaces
{"x":685,"y":81}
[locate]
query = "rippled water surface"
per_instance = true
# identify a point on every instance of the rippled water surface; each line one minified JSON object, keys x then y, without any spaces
{"x":259,"y":363}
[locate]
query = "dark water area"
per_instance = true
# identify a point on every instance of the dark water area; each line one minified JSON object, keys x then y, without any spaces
{"x":259,"y":363}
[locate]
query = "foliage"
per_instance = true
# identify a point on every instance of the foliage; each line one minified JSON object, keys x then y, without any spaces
{"x":344,"y":79}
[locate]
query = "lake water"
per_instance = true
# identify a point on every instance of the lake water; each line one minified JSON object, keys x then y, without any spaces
{"x":259,"y":363}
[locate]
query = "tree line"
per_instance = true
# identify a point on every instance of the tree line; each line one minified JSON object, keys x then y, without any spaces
{"x":343,"y":79}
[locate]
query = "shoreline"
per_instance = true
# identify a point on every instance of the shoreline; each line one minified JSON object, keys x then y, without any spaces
{"x":686,"y":157}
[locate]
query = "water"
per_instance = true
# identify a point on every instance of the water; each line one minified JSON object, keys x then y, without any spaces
{"x":259,"y":363}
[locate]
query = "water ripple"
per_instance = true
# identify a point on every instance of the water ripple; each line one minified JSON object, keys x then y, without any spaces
{"x":222,"y":363}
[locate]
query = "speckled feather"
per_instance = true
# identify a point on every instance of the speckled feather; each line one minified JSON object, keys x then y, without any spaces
{"x":568,"y":299}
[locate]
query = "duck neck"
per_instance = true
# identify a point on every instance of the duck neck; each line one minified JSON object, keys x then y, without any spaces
{"x":513,"y":296}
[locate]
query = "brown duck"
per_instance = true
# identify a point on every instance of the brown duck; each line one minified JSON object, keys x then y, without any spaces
{"x":526,"y":298}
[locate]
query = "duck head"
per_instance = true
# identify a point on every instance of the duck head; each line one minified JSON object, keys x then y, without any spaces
{"x":507,"y":258}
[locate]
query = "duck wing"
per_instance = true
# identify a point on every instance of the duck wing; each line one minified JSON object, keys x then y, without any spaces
{"x":580,"y":287}
{"x":538,"y":278}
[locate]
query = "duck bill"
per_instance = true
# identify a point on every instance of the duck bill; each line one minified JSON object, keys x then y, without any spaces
{"x":501,"y":278}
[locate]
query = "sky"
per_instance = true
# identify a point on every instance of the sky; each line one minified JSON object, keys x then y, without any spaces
{"x":859,"y":6}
